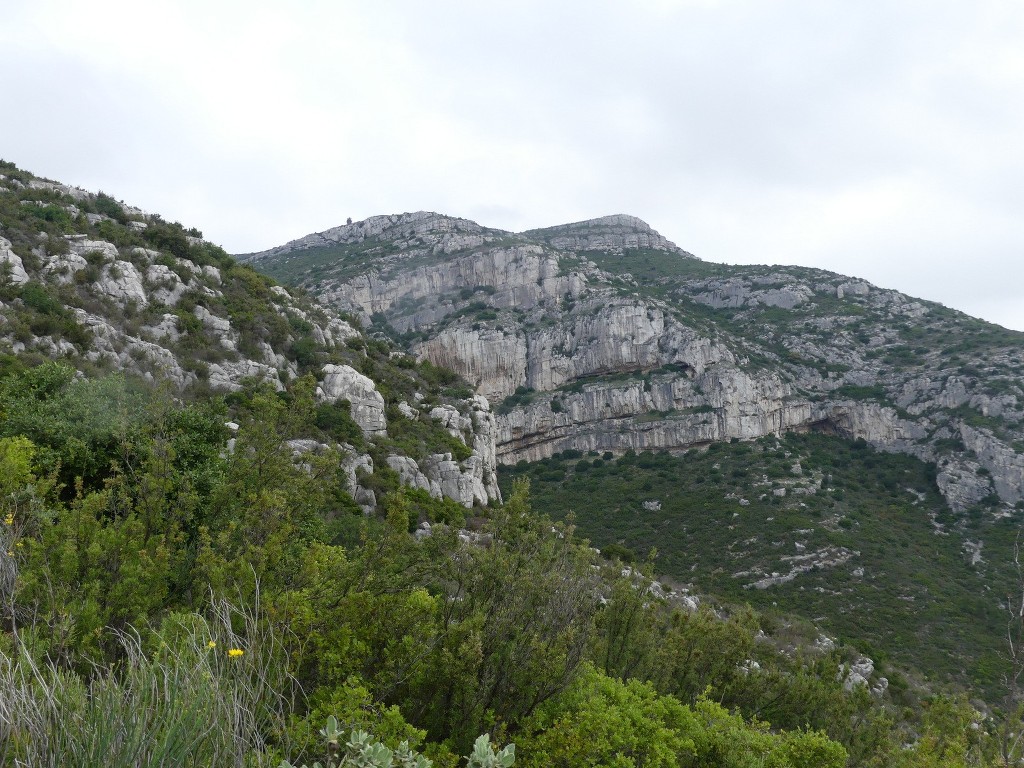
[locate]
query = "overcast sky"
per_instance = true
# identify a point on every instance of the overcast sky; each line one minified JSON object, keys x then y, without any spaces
{"x":883,"y":140}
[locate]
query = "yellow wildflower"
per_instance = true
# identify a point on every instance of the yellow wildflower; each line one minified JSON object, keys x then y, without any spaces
{"x":234,"y":653}
{"x":211,"y":644}
{"x":9,"y":520}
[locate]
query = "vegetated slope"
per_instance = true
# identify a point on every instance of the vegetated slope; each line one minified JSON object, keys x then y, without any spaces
{"x":603,"y":337}
{"x":187,"y":578}
{"x":858,"y":541}
{"x":108,"y":287}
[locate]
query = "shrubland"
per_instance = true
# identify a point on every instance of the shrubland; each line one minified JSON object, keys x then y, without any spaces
{"x":184,"y":580}
{"x":809,"y":524}
{"x":170,"y":600}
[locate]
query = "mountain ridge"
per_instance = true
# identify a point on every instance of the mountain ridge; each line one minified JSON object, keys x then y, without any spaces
{"x":602,"y":353}
{"x":541,"y":321}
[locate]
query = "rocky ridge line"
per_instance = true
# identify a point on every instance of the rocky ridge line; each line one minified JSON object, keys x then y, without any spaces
{"x":602,"y":335}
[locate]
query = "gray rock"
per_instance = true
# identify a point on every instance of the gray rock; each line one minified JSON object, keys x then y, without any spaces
{"x":342,"y":382}
{"x":11,"y":263}
{"x":123,"y":283}
{"x":228,"y":374}
{"x":168,"y":287}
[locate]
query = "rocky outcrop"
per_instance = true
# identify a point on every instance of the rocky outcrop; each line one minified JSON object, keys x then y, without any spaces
{"x":733,"y":294}
{"x":597,"y":338}
{"x":472,"y":481}
{"x":11,"y":264}
{"x":440,"y":475}
{"x":617,"y":232}
{"x":343,"y":382}
{"x":521,"y":277}
{"x":603,"y":335}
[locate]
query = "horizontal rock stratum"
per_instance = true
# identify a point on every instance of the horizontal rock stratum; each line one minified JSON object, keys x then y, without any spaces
{"x":603,"y":335}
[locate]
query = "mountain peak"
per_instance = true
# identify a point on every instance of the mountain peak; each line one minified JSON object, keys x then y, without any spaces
{"x":615,"y":220}
{"x":606,"y":233}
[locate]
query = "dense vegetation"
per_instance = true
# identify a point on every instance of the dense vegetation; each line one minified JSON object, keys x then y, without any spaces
{"x":153,"y":579}
{"x":883,"y":555}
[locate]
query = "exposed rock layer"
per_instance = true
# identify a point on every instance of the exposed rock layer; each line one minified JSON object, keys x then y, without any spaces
{"x":603,"y":335}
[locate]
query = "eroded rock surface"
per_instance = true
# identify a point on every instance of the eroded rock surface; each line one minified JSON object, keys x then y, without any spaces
{"x":343,"y":382}
{"x":603,"y":335}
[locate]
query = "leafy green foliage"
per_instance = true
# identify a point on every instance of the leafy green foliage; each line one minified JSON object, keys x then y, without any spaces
{"x":604,"y":721}
{"x":522,"y":396}
{"x":422,"y":436}
{"x":44,"y":314}
{"x":361,"y":750}
{"x":80,"y":426}
{"x":430,"y":641}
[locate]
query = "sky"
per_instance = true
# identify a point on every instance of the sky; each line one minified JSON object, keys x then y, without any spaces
{"x":879,"y":139}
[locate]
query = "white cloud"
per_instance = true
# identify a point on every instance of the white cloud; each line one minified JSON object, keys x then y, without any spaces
{"x":879,"y":139}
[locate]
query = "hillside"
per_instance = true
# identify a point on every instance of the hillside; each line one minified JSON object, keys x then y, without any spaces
{"x":603,"y":340}
{"x":107,"y":287}
{"x":604,"y":336}
{"x":236,"y":528}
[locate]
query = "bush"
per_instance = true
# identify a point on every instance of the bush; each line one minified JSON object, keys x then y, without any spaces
{"x":362,"y":750}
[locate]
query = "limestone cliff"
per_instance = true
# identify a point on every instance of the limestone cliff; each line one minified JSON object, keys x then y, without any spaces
{"x":603,"y":335}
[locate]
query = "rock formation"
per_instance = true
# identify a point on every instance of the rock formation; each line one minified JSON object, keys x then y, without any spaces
{"x":132,"y":293}
{"x":603,"y":335}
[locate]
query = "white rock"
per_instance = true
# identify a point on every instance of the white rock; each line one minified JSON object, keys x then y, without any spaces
{"x":169,"y":287}
{"x":452,"y":420}
{"x":409,"y":473}
{"x":15,"y":267}
{"x":228,"y":374}
{"x":123,"y":283}
{"x":858,"y":673}
{"x":167,"y":328}
{"x":216,"y":324}
{"x":342,"y":382}
{"x":82,"y":246}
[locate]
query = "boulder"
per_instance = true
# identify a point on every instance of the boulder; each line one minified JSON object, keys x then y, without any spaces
{"x":11,"y":263}
{"x":343,"y":382}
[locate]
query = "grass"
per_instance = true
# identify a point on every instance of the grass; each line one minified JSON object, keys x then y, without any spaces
{"x":195,"y":692}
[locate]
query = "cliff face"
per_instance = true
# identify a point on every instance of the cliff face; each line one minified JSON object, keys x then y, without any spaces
{"x":603,"y":335}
